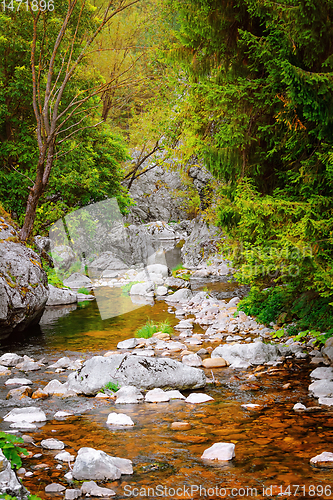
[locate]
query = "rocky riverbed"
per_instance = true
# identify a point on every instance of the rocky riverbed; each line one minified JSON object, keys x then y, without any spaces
{"x":245,"y":397}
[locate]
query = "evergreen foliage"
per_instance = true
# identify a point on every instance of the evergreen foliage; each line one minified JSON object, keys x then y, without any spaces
{"x":257,"y":106}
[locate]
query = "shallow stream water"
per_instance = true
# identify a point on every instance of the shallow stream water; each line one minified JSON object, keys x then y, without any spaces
{"x":273,"y":444}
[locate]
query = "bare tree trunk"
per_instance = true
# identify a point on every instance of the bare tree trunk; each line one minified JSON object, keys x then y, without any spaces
{"x":43,"y":173}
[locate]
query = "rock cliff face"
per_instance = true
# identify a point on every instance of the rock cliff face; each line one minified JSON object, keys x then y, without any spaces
{"x":155,"y":193}
{"x":23,"y":283}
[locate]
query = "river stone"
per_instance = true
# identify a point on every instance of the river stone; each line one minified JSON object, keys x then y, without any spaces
{"x":9,"y":484}
{"x":181,"y":426}
{"x":325,"y":401}
{"x":62,"y":414}
{"x":192,"y":360}
{"x":108,"y":261}
{"x":10,"y":359}
{"x":23,"y":283}
{"x":161,"y":291}
{"x":127,"y":344}
{"x":219,"y":451}
{"x":157,"y":396}
{"x":18,"y":381}
{"x":54,"y":488}
{"x":214,"y":363}
{"x":63,"y":362}
{"x":72,"y":494}
{"x":4,"y":370}
{"x":22,"y":392}
{"x":324,"y":460}
{"x":142,"y":372}
{"x":146,"y":289}
{"x":64,"y":456}
{"x":52,"y":444}
{"x":184,"y":325}
{"x":197,"y":397}
{"x":322,"y":373}
{"x":60,"y":296}
{"x":77,"y":280}
{"x":327,"y":351}
{"x":181,"y":295}
{"x":26,"y":414}
{"x":95,"y":464}
{"x":119,"y":419}
{"x":158,"y":269}
{"x":321,"y":388}
{"x":90,"y":489}
{"x":128,"y":394}
{"x":27,"y":426}
{"x":176,"y":283}
{"x":175,"y":395}
{"x":123,"y":464}
{"x":256,"y":353}
{"x":56,"y":388}
{"x":299,"y":407}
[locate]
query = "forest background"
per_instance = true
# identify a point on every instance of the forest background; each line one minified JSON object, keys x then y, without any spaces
{"x":242,"y":87}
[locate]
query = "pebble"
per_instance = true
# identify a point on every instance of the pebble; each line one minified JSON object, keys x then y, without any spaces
{"x":299,"y":407}
{"x":52,"y":444}
{"x":72,"y":494}
{"x":23,"y":425}
{"x":324,"y":460}
{"x":197,"y":397}
{"x":175,"y":394}
{"x":39,"y":394}
{"x":54,"y":488}
{"x":214,"y":363}
{"x":219,"y":451}
{"x":90,"y":488}
{"x":192,"y":360}
{"x":119,"y":419}
{"x":251,"y":406}
{"x":62,"y":414}
{"x":157,"y":396}
{"x":181,"y":426}
{"x":64,"y":456}
{"x":18,"y":381}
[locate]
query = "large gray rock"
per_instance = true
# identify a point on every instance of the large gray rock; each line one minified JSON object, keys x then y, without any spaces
{"x":9,"y":484}
{"x":142,"y":372}
{"x":256,"y":353}
{"x":108,"y":260}
{"x":181,"y":295}
{"x":96,"y":464}
{"x":145,"y":289}
{"x":153,"y":194}
{"x":23,"y":283}
{"x":201,"y":244}
{"x":327,"y":351}
{"x":63,"y":257}
{"x":60,"y":296}
{"x":77,"y":280}
{"x":321,"y":388}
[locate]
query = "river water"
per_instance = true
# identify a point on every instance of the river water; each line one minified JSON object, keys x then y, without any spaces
{"x":273,"y":444}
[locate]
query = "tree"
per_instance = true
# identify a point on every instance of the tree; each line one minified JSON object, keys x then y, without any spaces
{"x":64,"y":91}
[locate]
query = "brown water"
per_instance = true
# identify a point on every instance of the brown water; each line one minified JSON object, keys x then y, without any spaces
{"x":273,"y":444}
